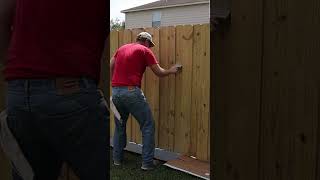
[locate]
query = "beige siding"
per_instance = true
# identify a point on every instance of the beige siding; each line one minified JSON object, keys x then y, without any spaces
{"x":138,"y":19}
{"x":194,"y":14}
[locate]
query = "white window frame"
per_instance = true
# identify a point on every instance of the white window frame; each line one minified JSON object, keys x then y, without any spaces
{"x":156,"y":19}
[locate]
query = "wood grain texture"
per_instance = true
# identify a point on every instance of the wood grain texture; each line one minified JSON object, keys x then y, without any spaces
{"x":200,"y":92}
{"x":236,"y":76}
{"x":152,"y":84}
{"x":167,"y":89}
{"x":114,"y":40}
{"x":290,"y":113}
{"x":184,"y":46}
{"x":125,"y":37}
{"x":136,"y":132}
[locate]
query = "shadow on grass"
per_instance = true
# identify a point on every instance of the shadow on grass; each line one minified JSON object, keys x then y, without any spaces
{"x":130,"y":169}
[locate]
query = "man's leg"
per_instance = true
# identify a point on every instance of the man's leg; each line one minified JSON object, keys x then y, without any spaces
{"x":89,"y":155}
{"x":76,"y":126}
{"x":120,"y":134}
{"x":141,"y":111}
{"x":46,"y":164}
{"x":119,"y":140}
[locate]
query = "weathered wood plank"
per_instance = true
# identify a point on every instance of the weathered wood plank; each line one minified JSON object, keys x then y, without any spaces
{"x":137,"y":135}
{"x":152,"y":84}
{"x":125,"y":37}
{"x":275,"y":127}
{"x":303,"y":57}
{"x":290,"y":113}
{"x":184,"y":39}
{"x":236,"y":84}
{"x":200,"y":92}
{"x":167,"y":89}
{"x":114,"y":40}
{"x":120,"y":40}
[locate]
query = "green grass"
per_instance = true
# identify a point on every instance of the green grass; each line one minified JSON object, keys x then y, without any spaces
{"x":130,"y":169}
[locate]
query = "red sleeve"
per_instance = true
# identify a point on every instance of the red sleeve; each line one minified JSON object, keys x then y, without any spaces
{"x":150,"y":58}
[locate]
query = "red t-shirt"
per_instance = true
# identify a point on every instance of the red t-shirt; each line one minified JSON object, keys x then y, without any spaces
{"x":131,"y":61}
{"x":57,"y":38}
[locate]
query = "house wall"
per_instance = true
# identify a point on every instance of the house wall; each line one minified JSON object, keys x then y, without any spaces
{"x":193,"y":14}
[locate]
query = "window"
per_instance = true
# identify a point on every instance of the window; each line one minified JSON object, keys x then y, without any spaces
{"x":156,"y":19}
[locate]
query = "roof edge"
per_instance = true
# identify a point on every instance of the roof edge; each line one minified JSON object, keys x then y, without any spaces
{"x":162,"y":7}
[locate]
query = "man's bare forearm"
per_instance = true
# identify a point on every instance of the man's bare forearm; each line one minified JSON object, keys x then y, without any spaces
{"x":161,"y":72}
{"x":164,"y":72}
{"x":6,"y":18}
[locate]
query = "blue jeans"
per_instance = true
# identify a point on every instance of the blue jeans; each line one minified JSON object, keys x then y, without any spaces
{"x":52,"y":127}
{"x":134,"y":102}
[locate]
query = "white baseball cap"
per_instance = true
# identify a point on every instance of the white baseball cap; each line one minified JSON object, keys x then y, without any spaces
{"x":147,"y":36}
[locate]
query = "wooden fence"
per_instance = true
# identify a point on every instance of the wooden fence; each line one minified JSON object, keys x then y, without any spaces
{"x":180,"y":103}
{"x":266,"y":92}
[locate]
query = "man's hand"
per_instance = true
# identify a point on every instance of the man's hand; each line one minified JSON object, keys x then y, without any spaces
{"x":160,"y":72}
{"x":175,"y":69}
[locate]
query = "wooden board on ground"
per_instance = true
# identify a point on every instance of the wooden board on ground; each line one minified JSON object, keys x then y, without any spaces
{"x":160,"y":154}
{"x":191,"y":166}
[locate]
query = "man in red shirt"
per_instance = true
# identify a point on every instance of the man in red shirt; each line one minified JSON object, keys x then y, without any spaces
{"x":127,"y":68}
{"x":52,"y":66}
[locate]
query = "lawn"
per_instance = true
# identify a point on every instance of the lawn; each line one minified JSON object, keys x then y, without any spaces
{"x":130,"y":169}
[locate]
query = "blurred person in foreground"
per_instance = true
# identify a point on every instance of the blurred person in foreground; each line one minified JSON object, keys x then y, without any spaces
{"x":51,"y":52}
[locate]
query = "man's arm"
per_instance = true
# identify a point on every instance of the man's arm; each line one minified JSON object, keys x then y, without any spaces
{"x":7,"y":8}
{"x":161,"y":72}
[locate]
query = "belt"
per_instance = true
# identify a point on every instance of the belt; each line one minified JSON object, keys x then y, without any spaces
{"x":131,"y":87}
{"x":126,"y":87}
